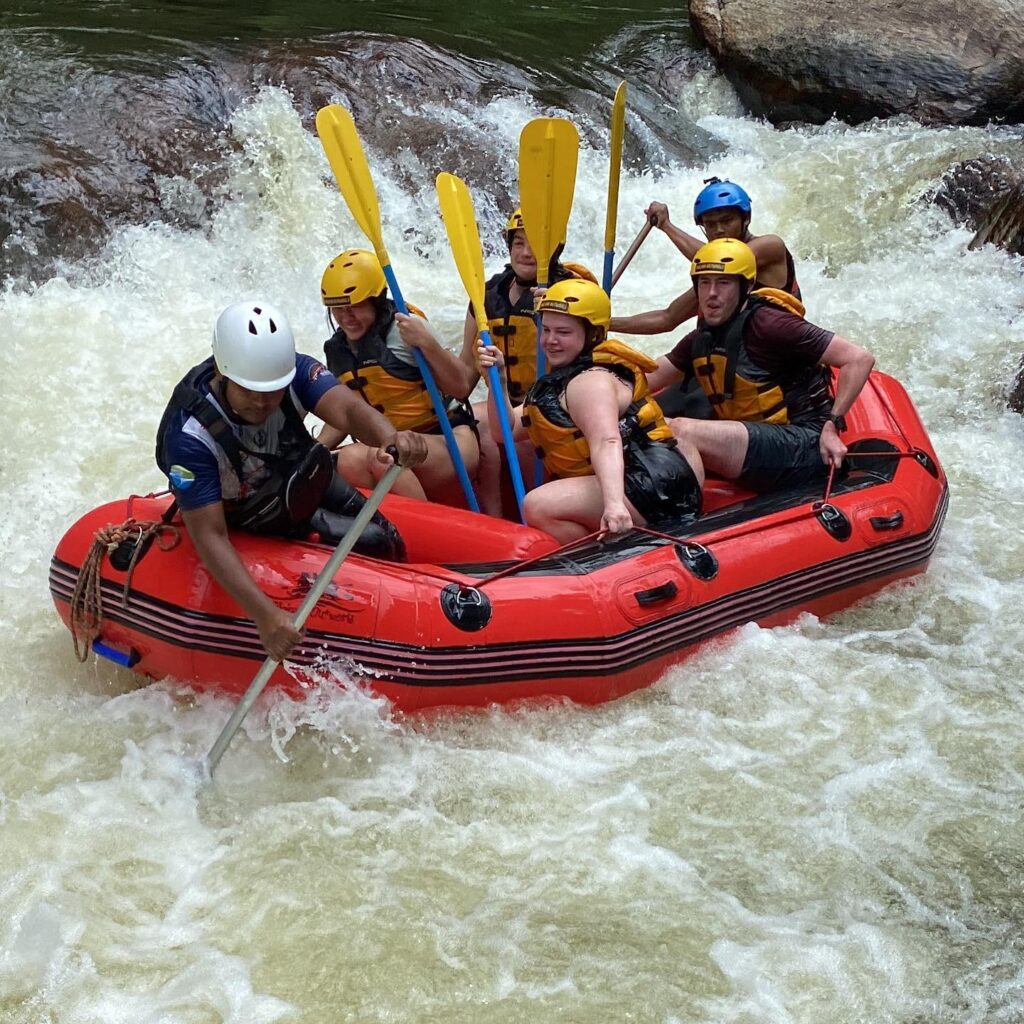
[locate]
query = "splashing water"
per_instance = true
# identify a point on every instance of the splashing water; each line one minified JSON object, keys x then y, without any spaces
{"x":813,"y":823}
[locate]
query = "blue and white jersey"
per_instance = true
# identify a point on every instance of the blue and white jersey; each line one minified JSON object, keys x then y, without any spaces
{"x":189,"y":446}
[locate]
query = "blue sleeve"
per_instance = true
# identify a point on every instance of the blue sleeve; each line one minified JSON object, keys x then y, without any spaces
{"x":312,"y":381}
{"x":185,"y":452}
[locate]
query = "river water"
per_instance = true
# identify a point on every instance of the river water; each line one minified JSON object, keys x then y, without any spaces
{"x":818,"y":823}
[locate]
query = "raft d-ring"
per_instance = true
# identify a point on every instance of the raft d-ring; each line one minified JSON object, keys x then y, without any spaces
{"x":923,"y":459}
{"x":835,"y":522}
{"x":698,"y":559}
{"x":466,"y":608}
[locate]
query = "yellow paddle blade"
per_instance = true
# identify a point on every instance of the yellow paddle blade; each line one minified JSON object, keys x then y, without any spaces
{"x":618,"y":125}
{"x":345,"y":154}
{"x":548,"y":151}
{"x":464,"y":239}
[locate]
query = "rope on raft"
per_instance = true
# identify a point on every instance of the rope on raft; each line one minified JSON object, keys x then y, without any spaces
{"x":87,"y":600}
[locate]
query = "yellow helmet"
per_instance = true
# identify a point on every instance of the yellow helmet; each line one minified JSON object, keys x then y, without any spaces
{"x":725,"y":256}
{"x":512,"y":225}
{"x":578,"y":297}
{"x":351,"y":277}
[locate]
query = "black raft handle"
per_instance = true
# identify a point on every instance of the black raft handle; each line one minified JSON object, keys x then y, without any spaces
{"x":664,"y":592}
{"x":881,"y":523}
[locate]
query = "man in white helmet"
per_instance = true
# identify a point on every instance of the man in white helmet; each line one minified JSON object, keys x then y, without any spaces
{"x":233,"y":445}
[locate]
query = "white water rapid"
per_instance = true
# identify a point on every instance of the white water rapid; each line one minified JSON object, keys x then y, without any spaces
{"x":811,"y":824}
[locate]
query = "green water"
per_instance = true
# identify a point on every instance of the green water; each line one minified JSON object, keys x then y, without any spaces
{"x":542,"y":34}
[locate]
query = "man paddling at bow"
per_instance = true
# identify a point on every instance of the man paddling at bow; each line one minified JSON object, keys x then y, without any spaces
{"x":233,"y":445}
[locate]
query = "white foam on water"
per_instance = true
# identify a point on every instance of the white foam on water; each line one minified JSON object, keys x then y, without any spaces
{"x":805,"y":823}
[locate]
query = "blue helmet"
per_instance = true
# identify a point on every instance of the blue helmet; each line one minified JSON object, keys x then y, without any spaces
{"x":717,"y":195}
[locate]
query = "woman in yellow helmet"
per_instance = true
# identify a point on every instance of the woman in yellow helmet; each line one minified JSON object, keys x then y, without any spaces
{"x":509,"y":303}
{"x":604,"y":442}
{"x":371,"y":351}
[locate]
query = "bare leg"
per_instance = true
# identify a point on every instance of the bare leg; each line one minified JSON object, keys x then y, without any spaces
{"x":570,"y":509}
{"x":692,"y":455}
{"x":722,"y":444}
{"x":488,"y":474}
{"x":437,"y":475}
{"x":358,"y":464}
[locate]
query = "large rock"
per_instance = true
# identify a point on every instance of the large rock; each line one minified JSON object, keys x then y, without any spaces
{"x":940,"y":61}
{"x":986,"y":194}
{"x":1015,"y":399}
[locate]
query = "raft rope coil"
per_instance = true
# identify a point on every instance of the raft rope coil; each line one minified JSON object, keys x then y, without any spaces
{"x":87,"y":600}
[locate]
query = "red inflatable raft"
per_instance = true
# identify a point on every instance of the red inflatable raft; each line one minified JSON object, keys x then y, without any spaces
{"x":489,"y":611}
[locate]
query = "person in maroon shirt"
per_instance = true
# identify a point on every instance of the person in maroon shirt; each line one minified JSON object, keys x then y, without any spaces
{"x":765,"y":371}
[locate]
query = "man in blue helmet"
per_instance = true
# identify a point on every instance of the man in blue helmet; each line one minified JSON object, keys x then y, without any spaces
{"x":721,"y":210}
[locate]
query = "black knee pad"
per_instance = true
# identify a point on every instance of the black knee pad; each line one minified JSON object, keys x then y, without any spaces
{"x":342,"y":497}
{"x":379,"y":539}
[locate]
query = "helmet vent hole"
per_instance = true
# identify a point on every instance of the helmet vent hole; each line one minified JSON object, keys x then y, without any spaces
{"x":257,"y":310}
{"x":252,"y":328}
{"x":273,"y":327}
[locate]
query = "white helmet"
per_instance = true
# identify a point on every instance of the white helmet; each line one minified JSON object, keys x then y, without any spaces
{"x":253,"y":345}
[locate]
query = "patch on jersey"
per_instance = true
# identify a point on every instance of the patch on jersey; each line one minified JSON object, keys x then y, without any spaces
{"x":181,"y":478}
{"x":316,"y":371}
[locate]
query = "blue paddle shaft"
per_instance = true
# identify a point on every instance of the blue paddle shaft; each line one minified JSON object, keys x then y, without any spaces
{"x":538,"y":465}
{"x":606,"y":277}
{"x":494,"y":379}
{"x":435,"y":398}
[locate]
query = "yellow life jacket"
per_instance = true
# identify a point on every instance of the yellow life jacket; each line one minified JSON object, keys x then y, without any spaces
{"x":781,"y":298}
{"x":513,"y":327}
{"x":391,"y":385}
{"x":739,"y":389}
{"x":560,"y":443}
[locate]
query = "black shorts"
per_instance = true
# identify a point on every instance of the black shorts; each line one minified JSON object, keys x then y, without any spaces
{"x":460,"y":415}
{"x":781,"y":456}
{"x":660,"y":483}
{"x":685,"y":399}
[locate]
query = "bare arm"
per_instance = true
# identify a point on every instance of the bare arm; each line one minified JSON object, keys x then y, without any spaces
{"x":658,"y":321}
{"x":770,"y":253}
{"x":447,"y":368}
{"x":854,"y":364}
{"x":595,"y":399}
{"x":467,"y":356}
{"x":664,"y":376}
{"x":491,"y":356}
{"x":686,"y":243}
{"x":208,"y":530}
{"x":341,"y":409}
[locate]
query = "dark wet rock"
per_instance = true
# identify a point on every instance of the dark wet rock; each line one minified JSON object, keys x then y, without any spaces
{"x":1015,"y":399}
{"x":84,"y":149}
{"x":939,"y":61}
{"x":987,"y":196}
{"x":87,"y":147}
